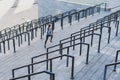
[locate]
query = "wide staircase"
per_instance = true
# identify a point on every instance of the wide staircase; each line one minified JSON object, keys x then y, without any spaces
{"x":88,"y":54}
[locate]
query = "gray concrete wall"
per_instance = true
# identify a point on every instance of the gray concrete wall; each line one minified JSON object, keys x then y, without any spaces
{"x":53,"y":7}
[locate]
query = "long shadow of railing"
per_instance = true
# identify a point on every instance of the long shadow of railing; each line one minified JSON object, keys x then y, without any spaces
{"x":30,"y":29}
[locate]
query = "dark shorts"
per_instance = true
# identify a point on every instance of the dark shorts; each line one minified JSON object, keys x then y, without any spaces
{"x":49,"y":35}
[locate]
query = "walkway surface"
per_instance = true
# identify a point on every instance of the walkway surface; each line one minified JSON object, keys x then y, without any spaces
{"x":93,"y":71}
{"x":17,"y":15}
{"x":24,"y":5}
{"x":5,"y":5}
{"x":23,"y":55}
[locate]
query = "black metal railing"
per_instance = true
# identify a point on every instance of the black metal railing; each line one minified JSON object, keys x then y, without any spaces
{"x":108,"y":65}
{"x":61,"y":48}
{"x":109,"y":18}
{"x":52,"y":75}
{"x":112,"y":64}
{"x":61,"y":45}
{"x":30,"y":28}
{"x":88,"y":31}
{"x":31,"y":70}
{"x":116,"y":58}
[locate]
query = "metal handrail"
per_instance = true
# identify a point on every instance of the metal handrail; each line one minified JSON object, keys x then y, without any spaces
{"x":62,"y":48}
{"x":47,"y":60}
{"x":108,"y":65}
{"x":116,"y":59}
{"x":68,"y":11}
{"x":52,"y":75}
{"x":101,"y":21}
{"x":31,"y":26}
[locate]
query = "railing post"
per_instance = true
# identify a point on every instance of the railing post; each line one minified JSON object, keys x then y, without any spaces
{"x":87,"y":58}
{"x":45,"y":28}
{"x":60,"y":47}
{"x":8,"y":44}
{"x":86,"y":13}
{"x":0,"y":47}
{"x":117,"y":25}
{"x":105,"y":71}
{"x":28,"y":38}
{"x":89,"y":11}
{"x":73,"y":42}
{"x":41,"y":31}
{"x":109,"y":31}
{"x":36,"y":32}
{"x":32,"y":68}
{"x":105,"y":7}
{"x":62,"y":21}
{"x":53,"y":25}
{"x":72,"y":70}
{"x":21,"y":38}
{"x":13,"y":75}
{"x":93,"y":11}
{"x":18,"y":40}
{"x":92,"y":37}
{"x":14,"y":45}
{"x":98,"y":9}
{"x":99,"y":44}
{"x":84,"y":37}
{"x":108,"y":24}
{"x":78,"y":16}
{"x":80,"y":46}
{"x":29,"y":77}
{"x":67,"y":57}
{"x":50,"y":65}
{"x":70,"y":19}
{"x":53,"y":77}
{"x":116,"y":59}
{"x":28,"y":69}
{"x":101,"y":28}
{"x":47,"y":62}
{"x":25,"y":37}
{"x":4,"y":47}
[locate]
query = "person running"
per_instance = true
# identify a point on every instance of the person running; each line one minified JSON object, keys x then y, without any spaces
{"x":49,"y":34}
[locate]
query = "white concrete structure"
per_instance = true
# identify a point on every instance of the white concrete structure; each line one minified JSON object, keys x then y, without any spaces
{"x":5,"y":5}
{"x":24,"y":5}
{"x":110,"y":3}
{"x":85,"y":2}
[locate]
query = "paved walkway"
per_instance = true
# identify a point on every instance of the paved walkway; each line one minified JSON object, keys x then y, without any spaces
{"x":11,"y":18}
{"x":24,"y":53}
{"x":24,"y":5}
{"x":5,"y":5}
